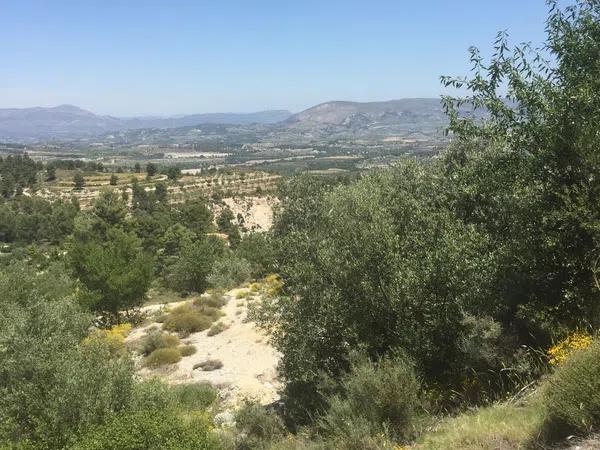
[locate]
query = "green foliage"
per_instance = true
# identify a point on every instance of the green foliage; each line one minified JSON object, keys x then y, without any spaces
{"x":526,"y":174}
{"x":215,"y":299}
{"x":152,"y":429}
{"x":196,"y":216}
{"x":189,"y":272}
{"x":217,"y":328}
{"x":109,"y":210}
{"x":16,"y":173}
{"x":194,"y":396}
{"x":114,"y":179}
{"x":186,"y":319}
{"x":229,"y":272}
{"x":257,"y":249}
{"x":187,"y":350}
{"x":226,"y":224}
{"x":115,"y":270}
{"x":51,"y":382}
{"x":151,"y":170}
{"x":379,"y":265}
{"x":78,"y":181}
{"x":162,"y":357}
{"x":376,"y":397}
{"x":257,"y":427}
{"x":27,"y":220}
{"x":571,"y":394}
{"x":154,"y":340}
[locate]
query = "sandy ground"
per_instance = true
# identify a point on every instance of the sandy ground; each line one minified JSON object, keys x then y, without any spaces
{"x":256,"y":211}
{"x":249,"y":362}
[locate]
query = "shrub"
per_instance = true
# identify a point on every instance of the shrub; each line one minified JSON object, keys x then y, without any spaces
{"x":214,"y":300}
{"x":217,"y":328}
{"x":162,"y":356}
{"x":210,"y":312}
{"x":154,"y":340}
{"x":209,"y":365}
{"x":195,"y":396}
{"x":241,"y":294}
{"x":572,"y":394}
{"x":190,"y":271}
{"x":187,"y":350}
{"x":229,"y":272}
{"x":383,"y":396}
{"x":257,"y":427}
{"x":113,"y":337}
{"x":149,"y":429}
{"x":153,"y":394}
{"x":185,"y":319}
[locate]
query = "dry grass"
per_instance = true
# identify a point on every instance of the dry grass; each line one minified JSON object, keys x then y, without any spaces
{"x":502,"y":427}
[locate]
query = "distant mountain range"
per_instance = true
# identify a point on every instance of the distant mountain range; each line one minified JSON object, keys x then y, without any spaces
{"x":68,"y":121}
{"x":330,"y":120}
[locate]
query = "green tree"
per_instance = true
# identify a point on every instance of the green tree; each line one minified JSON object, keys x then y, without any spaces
{"x":115,"y":270}
{"x":52,"y":384}
{"x":226,"y":225}
{"x":194,"y":264}
{"x":527,"y":174}
{"x":78,"y":181}
{"x":114,"y":180}
{"x":50,"y":173}
{"x":151,"y":170}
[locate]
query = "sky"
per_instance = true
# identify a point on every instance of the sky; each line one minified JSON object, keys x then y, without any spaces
{"x":146,"y":57}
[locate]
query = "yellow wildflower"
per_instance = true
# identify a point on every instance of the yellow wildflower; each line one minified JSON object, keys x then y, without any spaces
{"x":560,"y":352}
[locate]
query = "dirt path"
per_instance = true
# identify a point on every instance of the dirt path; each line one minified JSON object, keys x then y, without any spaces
{"x":249,"y":362}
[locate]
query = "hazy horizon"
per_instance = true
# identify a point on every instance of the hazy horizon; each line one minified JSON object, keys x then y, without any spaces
{"x":154,"y":59}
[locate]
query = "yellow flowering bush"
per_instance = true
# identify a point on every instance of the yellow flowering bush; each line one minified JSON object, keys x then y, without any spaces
{"x":560,"y":352}
{"x":273,"y":284}
{"x":114,"y":337}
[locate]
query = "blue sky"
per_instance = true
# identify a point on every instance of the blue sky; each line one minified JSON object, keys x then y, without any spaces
{"x":133,"y":57}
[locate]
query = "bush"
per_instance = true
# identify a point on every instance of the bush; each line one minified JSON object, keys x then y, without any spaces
{"x":196,"y":396}
{"x":153,"y":394}
{"x":187,"y":350}
{"x":149,"y":429}
{"x":242,"y":294}
{"x":214,"y":300}
{"x":572,"y":394}
{"x":381,"y":396}
{"x":191,"y":269}
{"x":229,"y":272}
{"x":154,"y":340}
{"x":185,"y":319}
{"x":217,"y":328}
{"x":162,"y":356}
{"x":257,"y":427}
{"x":209,"y":365}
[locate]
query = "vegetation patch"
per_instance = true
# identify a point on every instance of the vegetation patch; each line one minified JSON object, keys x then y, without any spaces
{"x":217,"y":328}
{"x":155,"y":339}
{"x":571,"y":394}
{"x":161,"y":357}
{"x":187,"y":350}
{"x":195,"y":396}
{"x":186,"y":319}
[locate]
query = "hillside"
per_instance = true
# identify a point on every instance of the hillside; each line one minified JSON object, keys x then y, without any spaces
{"x":68,"y":121}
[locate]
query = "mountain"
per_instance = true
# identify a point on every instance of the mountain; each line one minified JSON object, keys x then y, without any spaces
{"x":370,"y":120}
{"x":67,"y":121}
{"x":347,"y":113}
